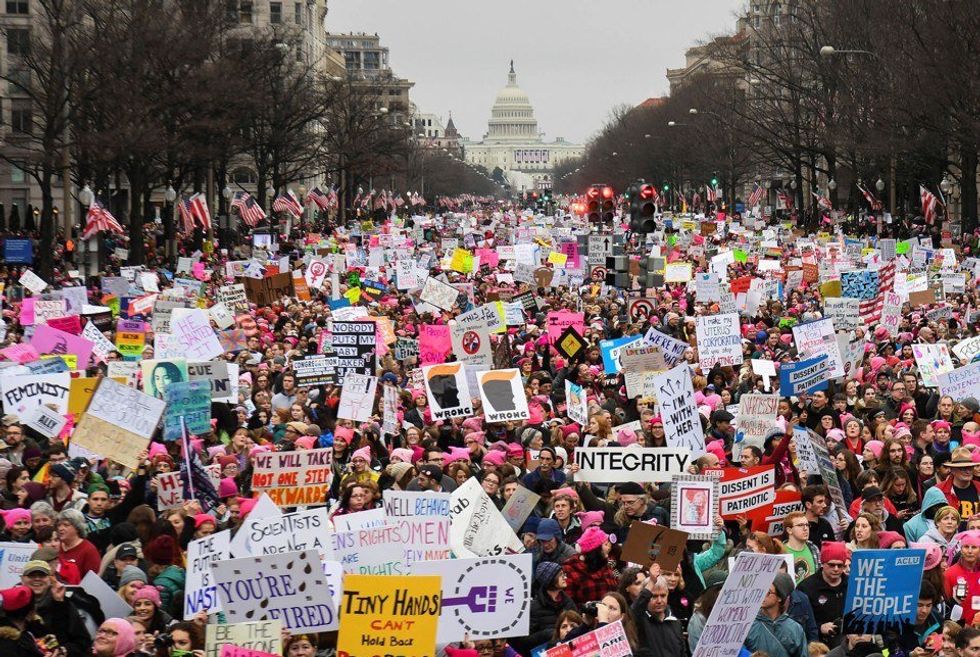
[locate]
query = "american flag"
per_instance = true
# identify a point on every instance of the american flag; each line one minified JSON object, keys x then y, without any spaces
{"x":248,"y":208}
{"x":870,"y":309}
{"x":786,"y":199}
{"x":288,"y":203}
{"x":696,"y":200}
{"x":872,"y":200}
{"x":929,"y":204}
{"x":186,"y":214}
{"x":823,"y":201}
{"x":98,"y":218}
{"x":755,"y":196}
{"x":318,"y":198}
{"x":711,"y":194}
{"x":194,"y":210}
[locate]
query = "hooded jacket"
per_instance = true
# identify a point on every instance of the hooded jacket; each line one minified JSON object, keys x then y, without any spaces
{"x":916,"y":526}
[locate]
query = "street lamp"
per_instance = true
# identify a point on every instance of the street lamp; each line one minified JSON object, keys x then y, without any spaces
{"x":830,"y":51}
{"x":880,"y":185}
{"x":945,"y":185}
{"x":169,"y":195}
{"x":832,"y":185}
{"x":693,"y":110}
{"x":86,"y":196}
{"x":226,"y":192}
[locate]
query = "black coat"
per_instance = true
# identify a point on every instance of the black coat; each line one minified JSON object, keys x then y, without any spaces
{"x":658,"y":638}
{"x":17,"y":643}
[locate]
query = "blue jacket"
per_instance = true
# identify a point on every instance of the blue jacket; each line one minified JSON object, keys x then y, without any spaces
{"x":918,"y":525}
{"x":801,"y":611}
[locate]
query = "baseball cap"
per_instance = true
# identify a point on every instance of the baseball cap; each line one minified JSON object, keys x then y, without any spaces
{"x":127,"y":551}
{"x":37,"y":566}
{"x":431,"y":471}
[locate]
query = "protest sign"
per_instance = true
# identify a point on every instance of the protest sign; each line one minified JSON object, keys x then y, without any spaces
{"x":719,"y":340}
{"x":389,"y":615}
{"x":560,"y":320}
{"x":804,"y":376}
{"x":45,"y":421}
{"x":48,"y":340}
{"x":298,"y":478}
{"x":441,"y":295}
{"x":742,"y":490}
{"x":20,"y":353}
{"x":818,"y":337}
{"x":502,"y":393}
{"x":633,"y":463}
{"x":806,"y":455}
{"x":170,"y":490}
{"x":639,"y":361}
{"x":108,"y":440}
{"x":435,"y":342}
{"x":296,"y":593}
{"x":647,"y":544}
{"x":738,"y":603}
{"x":478,"y":529}
{"x":270,"y":289}
{"x":967,"y":350}
{"x":756,"y":418}
{"x":264,"y":510}
{"x":13,"y":558}
{"x":218,"y":377}
{"x":188,"y":402}
{"x":883,"y":591}
{"x":315,"y":370}
{"x":354,"y":345}
{"x":234,"y":297}
{"x":265,"y":636}
{"x":32,"y":282}
{"x":960,"y":383}
{"x":576,"y":403}
{"x":221,"y":315}
{"x":675,"y":395}
{"x":18,"y":252}
{"x":607,"y":640}
{"x":126,"y":408}
{"x":447,"y":390}
{"x":843,"y":312}
{"x":519,"y":506}
{"x":159,"y":374}
{"x":357,"y":398}
{"x":200,"y":593}
{"x":694,"y":505}
{"x":111,"y":603}
{"x":673,"y":349}
{"x":611,"y":350}
{"x":23,"y":393}
{"x":81,"y":391}
{"x":130,"y":338}
{"x":101,"y":345}
{"x":292,"y":532}
{"x":707,"y":287}
{"x":406,"y":348}
{"x":484,"y":598}
{"x":932,"y":360}
{"x":229,"y":650}
{"x":472,"y":347}
{"x":192,"y":330}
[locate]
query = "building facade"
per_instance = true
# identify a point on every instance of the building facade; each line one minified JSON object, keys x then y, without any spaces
{"x":367,"y":62}
{"x":513,"y":143}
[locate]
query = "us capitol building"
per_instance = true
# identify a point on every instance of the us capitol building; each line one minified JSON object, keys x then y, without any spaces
{"x":513,"y":143}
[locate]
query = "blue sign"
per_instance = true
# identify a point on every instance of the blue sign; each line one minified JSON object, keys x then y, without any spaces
{"x":337,"y":304}
{"x":883,"y":591}
{"x":806,"y":376}
{"x":610,"y":350}
{"x":190,"y":400}
{"x":18,"y":252}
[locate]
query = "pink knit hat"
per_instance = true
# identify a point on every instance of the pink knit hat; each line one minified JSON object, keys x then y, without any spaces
{"x":875,"y":447}
{"x":343,"y":433}
{"x":227,"y":488}
{"x":479,"y":437}
{"x":403,"y":454}
{"x":363,"y":453}
{"x":457,"y":454}
{"x":12,"y":516}
{"x":305,"y":442}
{"x":592,"y":539}
{"x":590,"y":518}
{"x":495,"y":457}
{"x":148,"y":592}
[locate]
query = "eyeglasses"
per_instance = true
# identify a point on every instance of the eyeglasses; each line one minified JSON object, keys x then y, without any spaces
{"x":800,"y":525}
{"x":106,"y":632}
{"x":834,"y":564}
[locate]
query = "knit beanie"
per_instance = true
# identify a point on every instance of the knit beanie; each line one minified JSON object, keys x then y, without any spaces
{"x":227,"y":488}
{"x":495,"y":457}
{"x":161,"y":550}
{"x":592,"y":539}
{"x":546,"y":573}
{"x":362,"y":453}
{"x":125,"y":636}
{"x":834,"y":551}
{"x":398,"y":469}
{"x":403,"y":454}
{"x":150,"y":593}
{"x":131,"y":574}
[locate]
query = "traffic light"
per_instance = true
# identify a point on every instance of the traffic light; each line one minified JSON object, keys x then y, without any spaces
{"x":642,"y":207}
{"x":608,"y":204}
{"x":714,"y":182}
{"x":593,"y":205}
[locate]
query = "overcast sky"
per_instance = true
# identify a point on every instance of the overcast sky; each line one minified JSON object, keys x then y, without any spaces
{"x":458,"y":51}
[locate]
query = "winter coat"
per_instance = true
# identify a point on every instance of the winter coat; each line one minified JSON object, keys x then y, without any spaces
{"x":171,"y":585}
{"x":918,"y":525}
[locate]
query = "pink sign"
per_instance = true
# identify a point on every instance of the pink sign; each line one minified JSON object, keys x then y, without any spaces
{"x":49,"y":340}
{"x":488,"y":257}
{"x":27,"y":312}
{"x":561,"y":320}
{"x":228,"y":650}
{"x":20,"y":353}
{"x":434,"y":344}
{"x":70,"y":324}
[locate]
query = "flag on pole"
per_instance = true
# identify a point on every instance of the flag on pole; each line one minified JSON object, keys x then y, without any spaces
{"x":288,"y":203}
{"x":823,"y":201}
{"x":710,"y":193}
{"x":248,"y":208}
{"x":755,"y":196}
{"x":318,"y":198}
{"x":199,"y":210}
{"x":98,"y":218}
{"x":929,"y":204}
{"x":186,"y":214}
{"x":872,"y":200}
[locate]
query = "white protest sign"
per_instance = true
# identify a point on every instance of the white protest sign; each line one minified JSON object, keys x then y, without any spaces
{"x":478,"y":529}
{"x":264,"y":509}
{"x":170,"y":490}
{"x":673,"y":349}
{"x":805,"y":452}
{"x":28,"y":391}
{"x":707,"y":287}
{"x":741,"y":596}
{"x":101,"y":345}
{"x":13,"y":558}
{"x":576,"y":403}
{"x":843,"y":311}
{"x":221,"y":315}
{"x":638,"y":362}
{"x":264,"y":636}
{"x":502,"y":393}
{"x":32,"y":282}
{"x":352,"y":522}
{"x":357,"y":397}
{"x":519,"y":506}
{"x":289,"y":587}
{"x":471,"y":346}
{"x":816,"y":338}
{"x":45,"y":421}
{"x":439,"y":294}
{"x":622,"y":464}
{"x":766,"y":369}
{"x":960,"y":383}
{"x":719,"y":340}
{"x":932,"y":360}
{"x":675,"y":396}
{"x":756,"y":418}
{"x":293,"y":532}
{"x":967,"y":350}
{"x":447,"y":390}
{"x":222,"y":377}
{"x":485,"y":598}
{"x":191,"y":329}
{"x":200,"y":593}
{"x":111,"y":603}
{"x":126,"y":407}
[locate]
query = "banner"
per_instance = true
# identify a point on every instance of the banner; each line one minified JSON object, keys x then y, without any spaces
{"x":478,"y":529}
{"x":18,"y":252}
{"x":389,"y":615}
{"x":290,"y":587}
{"x":883,"y":591}
{"x":200,"y":592}
{"x":189,"y":401}
{"x":316,"y":370}
{"x":298,"y":478}
{"x":804,"y":376}
{"x":486,"y":598}
{"x":719,"y":340}
{"x":502,"y":393}
{"x":13,"y":558}
{"x":623,"y":464}
{"x":738,"y":603}
{"x":745,"y":489}
{"x":675,"y":395}
{"x":447,"y":390}
{"x":756,"y":418}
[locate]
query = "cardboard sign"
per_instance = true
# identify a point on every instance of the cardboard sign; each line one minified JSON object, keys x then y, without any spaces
{"x":502,"y":393}
{"x":234,"y":297}
{"x":519,"y":506}
{"x":296,"y":593}
{"x":647,"y":544}
{"x":478,"y":529}
{"x":447,"y":390}
{"x":883,"y":590}
{"x":675,"y":395}
{"x":298,"y":478}
{"x":270,"y":289}
{"x":293,"y":532}
{"x":389,"y":615}
{"x":672,"y":349}
{"x":170,"y":490}
{"x":719,"y":340}
{"x":484,"y":598}
{"x":623,"y":464}
{"x":640,"y":362}
{"x":264,"y":636}
{"x":23,"y":393}
{"x":127,"y":409}
{"x":747,"y":584}
{"x":756,"y":418}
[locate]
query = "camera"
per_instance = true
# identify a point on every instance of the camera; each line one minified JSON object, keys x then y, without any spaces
{"x":163,"y":641}
{"x":591,"y":608}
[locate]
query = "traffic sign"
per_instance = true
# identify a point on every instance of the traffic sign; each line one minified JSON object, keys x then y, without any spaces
{"x":600,"y":246}
{"x":640,"y":309}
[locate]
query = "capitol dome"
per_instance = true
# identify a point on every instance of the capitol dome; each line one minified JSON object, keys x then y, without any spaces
{"x":512,"y":116}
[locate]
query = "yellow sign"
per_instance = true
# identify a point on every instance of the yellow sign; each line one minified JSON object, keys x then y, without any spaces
{"x":353,"y":295}
{"x":71,"y":360}
{"x":557,"y":258}
{"x":830,"y":289}
{"x":462,"y":261}
{"x":81,"y":390}
{"x":389,"y":615}
{"x":130,"y":343}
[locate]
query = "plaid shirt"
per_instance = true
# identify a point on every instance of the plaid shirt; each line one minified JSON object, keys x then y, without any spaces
{"x":584,"y":586}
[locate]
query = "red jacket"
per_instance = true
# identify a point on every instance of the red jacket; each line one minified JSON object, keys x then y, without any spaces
{"x":947,"y":488}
